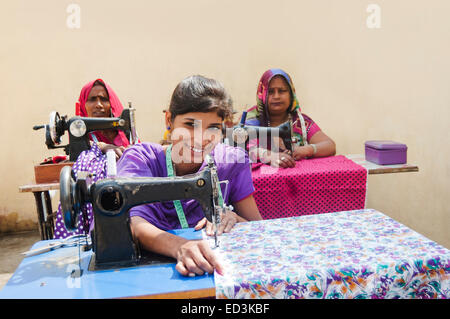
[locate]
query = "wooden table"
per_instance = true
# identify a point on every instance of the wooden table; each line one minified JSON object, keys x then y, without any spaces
{"x":43,"y":206}
{"x":374,"y":168}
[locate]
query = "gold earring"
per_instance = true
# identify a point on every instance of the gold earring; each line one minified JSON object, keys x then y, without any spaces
{"x":167,"y":134}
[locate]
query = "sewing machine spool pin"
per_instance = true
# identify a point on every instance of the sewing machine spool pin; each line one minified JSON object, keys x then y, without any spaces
{"x":133,"y":134}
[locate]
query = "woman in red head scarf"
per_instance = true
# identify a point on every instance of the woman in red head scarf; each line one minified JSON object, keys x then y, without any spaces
{"x":97,"y":99}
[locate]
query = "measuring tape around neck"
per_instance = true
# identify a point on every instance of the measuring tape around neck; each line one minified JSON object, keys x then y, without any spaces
{"x":177,"y":203}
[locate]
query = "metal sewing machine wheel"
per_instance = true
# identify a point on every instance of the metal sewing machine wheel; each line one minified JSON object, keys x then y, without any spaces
{"x":55,"y":128}
{"x":70,"y":198}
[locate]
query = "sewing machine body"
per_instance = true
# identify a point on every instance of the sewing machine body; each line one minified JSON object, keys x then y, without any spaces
{"x":112,"y":198}
{"x":241,"y":134}
{"x":80,"y":127}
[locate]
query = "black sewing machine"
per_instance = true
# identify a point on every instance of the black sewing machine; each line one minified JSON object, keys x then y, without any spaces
{"x":241,"y":134}
{"x":111,"y":200}
{"x":80,"y":127}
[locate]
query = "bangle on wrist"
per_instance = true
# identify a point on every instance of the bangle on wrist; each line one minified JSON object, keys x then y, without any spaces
{"x":262,"y":153}
{"x":314,"y":149}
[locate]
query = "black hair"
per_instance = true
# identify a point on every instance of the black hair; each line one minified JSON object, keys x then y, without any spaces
{"x":197,"y":93}
{"x":98,"y":82}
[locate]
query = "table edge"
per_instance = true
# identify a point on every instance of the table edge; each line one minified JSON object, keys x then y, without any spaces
{"x":186,"y":294}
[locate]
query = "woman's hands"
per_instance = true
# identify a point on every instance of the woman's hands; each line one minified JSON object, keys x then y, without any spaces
{"x":106,"y":147}
{"x":227,"y":222}
{"x":320,"y":145}
{"x":195,"y":257}
{"x":276,"y":159}
{"x":301,"y":152}
{"x":283,"y":159}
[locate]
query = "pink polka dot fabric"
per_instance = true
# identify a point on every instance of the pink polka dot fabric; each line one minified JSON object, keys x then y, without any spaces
{"x":93,"y":161}
{"x":313,"y":186}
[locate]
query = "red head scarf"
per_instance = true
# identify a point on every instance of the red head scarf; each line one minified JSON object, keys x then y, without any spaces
{"x":116,"y":110}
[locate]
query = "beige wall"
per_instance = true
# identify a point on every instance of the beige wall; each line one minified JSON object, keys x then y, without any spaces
{"x":357,"y":83}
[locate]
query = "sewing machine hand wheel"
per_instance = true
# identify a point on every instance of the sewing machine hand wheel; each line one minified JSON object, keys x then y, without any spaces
{"x":70,"y":198}
{"x":55,"y":119}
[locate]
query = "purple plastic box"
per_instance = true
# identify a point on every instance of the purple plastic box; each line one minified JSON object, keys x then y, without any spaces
{"x":385,"y":152}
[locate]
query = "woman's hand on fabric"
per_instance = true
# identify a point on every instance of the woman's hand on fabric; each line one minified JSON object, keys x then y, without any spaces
{"x":119,"y":151}
{"x":106,"y":147}
{"x":283,"y":159}
{"x":204,"y":223}
{"x":301,"y":152}
{"x":227,"y":221}
{"x":195,"y":257}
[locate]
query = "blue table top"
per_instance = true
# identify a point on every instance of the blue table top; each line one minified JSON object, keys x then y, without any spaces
{"x":48,"y":275}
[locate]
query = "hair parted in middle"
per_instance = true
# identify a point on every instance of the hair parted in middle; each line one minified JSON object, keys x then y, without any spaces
{"x":197,"y":93}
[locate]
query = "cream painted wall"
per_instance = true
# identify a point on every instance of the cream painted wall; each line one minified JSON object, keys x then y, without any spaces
{"x":357,"y":83}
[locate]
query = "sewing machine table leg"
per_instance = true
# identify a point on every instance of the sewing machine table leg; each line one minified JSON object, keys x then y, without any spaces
{"x":45,"y":214}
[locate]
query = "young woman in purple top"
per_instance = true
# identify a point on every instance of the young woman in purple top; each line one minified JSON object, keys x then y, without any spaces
{"x":197,"y":109}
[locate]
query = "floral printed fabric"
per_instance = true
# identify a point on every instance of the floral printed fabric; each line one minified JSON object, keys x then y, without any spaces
{"x":350,"y":254}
